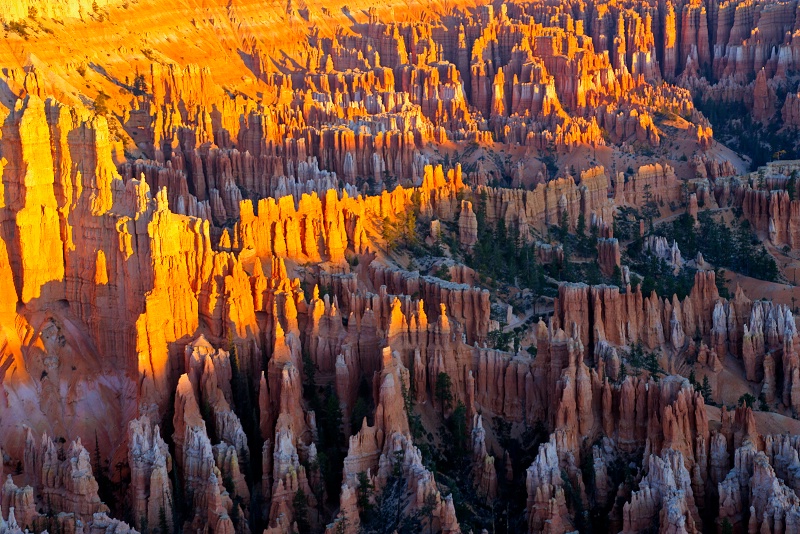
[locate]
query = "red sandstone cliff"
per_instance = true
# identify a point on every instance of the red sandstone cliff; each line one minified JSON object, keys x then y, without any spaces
{"x":242,"y":237}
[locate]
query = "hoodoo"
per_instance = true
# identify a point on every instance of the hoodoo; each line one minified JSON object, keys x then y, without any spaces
{"x":442,"y":267}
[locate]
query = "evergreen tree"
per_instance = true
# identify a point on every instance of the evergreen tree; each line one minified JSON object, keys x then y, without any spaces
{"x":747,"y":400}
{"x":332,"y":419}
{"x":444,"y":390}
{"x":97,"y":469}
{"x":242,"y":398}
{"x":101,"y":104}
{"x":616,"y":278}
{"x":727,"y":527}
{"x":162,"y":521}
{"x":310,"y":376}
{"x":427,"y":510}
{"x":388,"y":515}
{"x":652,"y":366}
{"x":300,"y":505}
{"x":580,"y":228}
{"x":650,"y":209}
{"x":564,"y":225}
{"x":139,"y":85}
{"x":623,"y":373}
{"x":460,"y":433}
{"x":331,"y":440}
{"x":364,"y":493}
{"x":706,"y":391}
{"x":358,"y":414}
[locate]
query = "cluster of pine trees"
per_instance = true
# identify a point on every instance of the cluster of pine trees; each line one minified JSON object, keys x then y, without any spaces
{"x":734,"y":247}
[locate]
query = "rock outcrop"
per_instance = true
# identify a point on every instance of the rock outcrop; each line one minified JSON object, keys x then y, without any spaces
{"x":222,"y":240}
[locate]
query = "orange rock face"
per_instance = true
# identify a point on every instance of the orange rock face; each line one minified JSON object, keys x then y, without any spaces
{"x":217,"y":314}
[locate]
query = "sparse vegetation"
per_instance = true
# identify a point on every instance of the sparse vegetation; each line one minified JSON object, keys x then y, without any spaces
{"x":101,"y":104}
{"x":500,"y":254}
{"x":734,"y":125}
{"x":264,"y":124}
{"x":735,"y":248}
{"x":402,"y":231}
{"x":746,"y":400}
{"x":20,"y":27}
{"x":639,"y":360}
{"x":444,"y":391}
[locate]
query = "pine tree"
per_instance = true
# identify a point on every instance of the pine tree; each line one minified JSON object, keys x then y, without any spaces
{"x":332,"y":420}
{"x":652,"y":366}
{"x":242,"y":397}
{"x":727,"y":527}
{"x":101,"y":104}
{"x":444,"y":392}
{"x":564,"y":225}
{"x":162,"y":521}
{"x":364,"y":493}
{"x":623,"y":372}
{"x":650,"y":209}
{"x":706,"y":391}
{"x":97,"y":468}
{"x":300,"y":505}
{"x":358,"y":414}
{"x":616,"y":278}
{"x":747,"y":400}
{"x":459,"y":430}
{"x":427,"y":510}
{"x":580,"y":228}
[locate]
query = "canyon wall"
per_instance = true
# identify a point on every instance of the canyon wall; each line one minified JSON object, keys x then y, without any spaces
{"x":183,"y":260}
